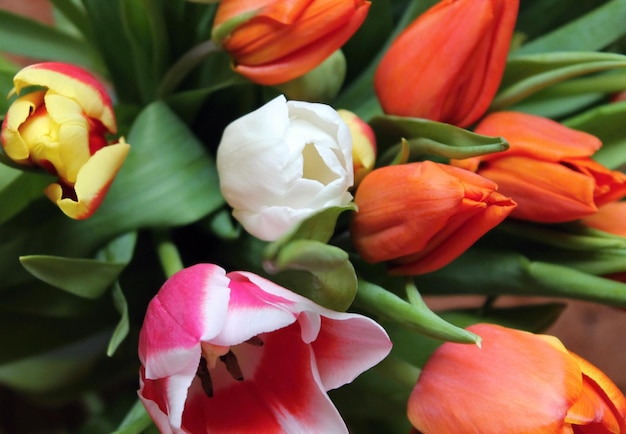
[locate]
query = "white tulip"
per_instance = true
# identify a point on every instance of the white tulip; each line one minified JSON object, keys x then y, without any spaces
{"x":284,"y":162}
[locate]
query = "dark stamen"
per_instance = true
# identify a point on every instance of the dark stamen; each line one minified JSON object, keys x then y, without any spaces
{"x":205,"y":377}
{"x":232,"y":366}
{"x":255,"y":341}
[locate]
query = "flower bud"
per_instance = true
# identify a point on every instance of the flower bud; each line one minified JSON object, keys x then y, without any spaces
{"x":273,"y":42}
{"x":547,"y":169}
{"x":283,"y":163}
{"x":363,"y":144}
{"x":421,"y":216}
{"x":62,"y":128}
{"x":445,"y":66}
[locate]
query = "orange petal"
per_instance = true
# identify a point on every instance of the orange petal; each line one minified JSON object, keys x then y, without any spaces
{"x":517,"y":383}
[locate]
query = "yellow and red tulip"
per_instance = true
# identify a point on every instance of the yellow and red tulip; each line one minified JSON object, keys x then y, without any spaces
{"x":517,"y":383}
{"x":547,"y":169}
{"x":62,"y":128}
{"x":421,"y":216}
{"x":272,"y":42}
{"x":447,"y":65}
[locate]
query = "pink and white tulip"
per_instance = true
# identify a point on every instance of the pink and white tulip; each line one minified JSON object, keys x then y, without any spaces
{"x":234,"y":352}
{"x":62,"y":128}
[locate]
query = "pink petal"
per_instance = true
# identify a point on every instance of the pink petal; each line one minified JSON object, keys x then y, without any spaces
{"x":284,"y":394}
{"x":190,"y":307}
{"x":347,"y":346}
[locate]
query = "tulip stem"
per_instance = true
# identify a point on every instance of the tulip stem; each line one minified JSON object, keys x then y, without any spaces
{"x":417,"y":317}
{"x":167,"y":252}
{"x":399,"y":371}
{"x":183,"y":66}
{"x":424,"y":146}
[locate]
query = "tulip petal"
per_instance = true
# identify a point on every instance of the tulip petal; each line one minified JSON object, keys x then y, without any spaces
{"x":73,"y":82}
{"x":92,"y":182}
{"x":193,"y":303}
{"x":347,"y":346}
{"x":538,"y":137}
{"x":608,"y":402}
{"x":283,"y":394}
{"x":497,"y":388}
{"x":544,"y":191}
{"x":12,"y":141}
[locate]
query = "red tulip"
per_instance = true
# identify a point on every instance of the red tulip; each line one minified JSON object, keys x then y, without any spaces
{"x":517,"y":383}
{"x":548,"y":168}
{"x":447,"y":65}
{"x":273,"y":42}
{"x":421,"y":216}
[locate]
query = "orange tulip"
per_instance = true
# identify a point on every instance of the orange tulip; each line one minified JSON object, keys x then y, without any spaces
{"x":547,"y":170}
{"x":517,"y":383}
{"x":273,"y":42}
{"x":421,"y":216}
{"x":447,"y":64}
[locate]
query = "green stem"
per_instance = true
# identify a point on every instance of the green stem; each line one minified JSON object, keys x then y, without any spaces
{"x":167,"y":252}
{"x":183,"y":66}
{"x":414,"y":317}
{"x":399,"y":371}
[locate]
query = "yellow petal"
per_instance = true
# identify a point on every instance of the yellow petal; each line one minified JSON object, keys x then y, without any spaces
{"x":73,"y":82}
{"x":14,"y":145}
{"x":92,"y":183}
{"x":73,"y":135}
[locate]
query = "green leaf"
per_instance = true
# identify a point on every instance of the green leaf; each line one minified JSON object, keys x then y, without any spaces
{"x":525,"y":75}
{"x":75,"y":14}
{"x":55,"y":369}
{"x":144,"y":27}
{"x":591,"y":32}
{"x":136,"y":420}
{"x":606,"y":123}
{"x":319,"y":227}
{"x":29,"y":38}
{"x":168,"y":179}
{"x":121,"y":330}
{"x":87,"y":278}
{"x":426,"y":137}
{"x":18,"y":189}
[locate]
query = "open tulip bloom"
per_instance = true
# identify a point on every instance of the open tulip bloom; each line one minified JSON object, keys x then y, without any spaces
{"x":349,"y":157}
{"x":228,"y":352}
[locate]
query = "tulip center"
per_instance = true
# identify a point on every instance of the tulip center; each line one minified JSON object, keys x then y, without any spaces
{"x":211,"y":354}
{"x":40,"y":132}
{"x":314,"y":166}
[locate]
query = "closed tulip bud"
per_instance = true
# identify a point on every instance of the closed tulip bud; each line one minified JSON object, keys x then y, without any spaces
{"x":517,"y":383}
{"x":363,"y":144}
{"x":272,"y":42}
{"x":547,"y":169}
{"x":62,"y":129}
{"x":421,"y":216}
{"x":447,"y":65}
{"x":283,"y":163}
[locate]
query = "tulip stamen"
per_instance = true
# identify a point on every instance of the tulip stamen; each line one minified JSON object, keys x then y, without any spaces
{"x":232,"y":365}
{"x":205,"y":377}
{"x":255,"y":341}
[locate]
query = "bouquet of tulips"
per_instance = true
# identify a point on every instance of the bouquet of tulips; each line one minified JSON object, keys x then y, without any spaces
{"x":221,"y":216}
